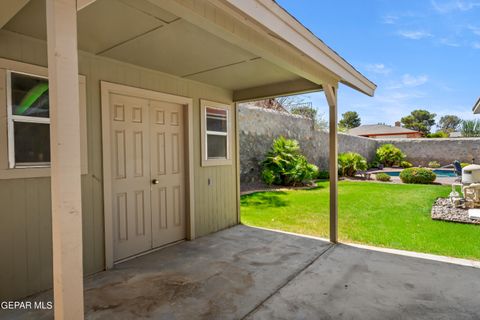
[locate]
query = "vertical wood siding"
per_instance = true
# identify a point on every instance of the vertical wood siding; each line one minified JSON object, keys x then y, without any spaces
{"x":25,"y":220}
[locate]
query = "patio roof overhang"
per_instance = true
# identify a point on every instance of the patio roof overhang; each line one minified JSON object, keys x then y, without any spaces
{"x":252,"y":47}
{"x":476,"y":107}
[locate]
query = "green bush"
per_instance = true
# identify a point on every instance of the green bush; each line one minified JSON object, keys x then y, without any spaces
{"x":349,"y":163}
{"x":389,"y":155}
{"x":434,"y":164}
{"x":418,"y":176}
{"x":323,"y":174}
{"x":285,"y":165}
{"x":406,"y":164}
{"x":374,"y":164}
{"x":438,"y":134}
{"x":268,"y":176}
{"x":471,"y":128}
{"x":383,"y":177}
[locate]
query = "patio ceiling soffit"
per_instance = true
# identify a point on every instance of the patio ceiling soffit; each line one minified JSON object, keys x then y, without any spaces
{"x":277,"y":38}
{"x":265,"y":29}
{"x":9,"y":9}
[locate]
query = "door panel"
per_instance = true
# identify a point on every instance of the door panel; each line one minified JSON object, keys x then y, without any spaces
{"x":131,"y":175}
{"x":148,"y":178}
{"x":167,"y":163}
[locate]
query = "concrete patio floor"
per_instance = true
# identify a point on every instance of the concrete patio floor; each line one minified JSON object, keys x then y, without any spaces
{"x":249,"y":273}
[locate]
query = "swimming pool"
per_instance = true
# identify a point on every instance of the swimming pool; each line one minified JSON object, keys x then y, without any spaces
{"x":438,"y":172}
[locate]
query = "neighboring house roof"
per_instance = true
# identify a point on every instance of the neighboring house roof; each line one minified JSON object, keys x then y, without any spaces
{"x":455,"y":134}
{"x":476,"y":107}
{"x":379,"y":129}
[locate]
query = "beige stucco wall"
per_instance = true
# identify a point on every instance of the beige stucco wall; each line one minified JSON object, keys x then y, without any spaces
{"x":25,"y":222}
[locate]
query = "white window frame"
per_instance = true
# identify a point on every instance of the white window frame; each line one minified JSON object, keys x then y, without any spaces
{"x":217,"y":133}
{"x":8,"y":169}
{"x":11,"y":119}
{"x":206,"y":161}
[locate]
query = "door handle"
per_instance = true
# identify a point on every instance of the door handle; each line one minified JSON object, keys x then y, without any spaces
{"x":155,"y":181}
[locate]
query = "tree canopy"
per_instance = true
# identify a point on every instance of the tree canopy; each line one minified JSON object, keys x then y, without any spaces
{"x":449,"y":123}
{"x":419,"y":120}
{"x":350,"y":119}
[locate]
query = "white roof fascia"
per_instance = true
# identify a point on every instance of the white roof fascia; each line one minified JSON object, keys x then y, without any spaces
{"x":476,"y":107}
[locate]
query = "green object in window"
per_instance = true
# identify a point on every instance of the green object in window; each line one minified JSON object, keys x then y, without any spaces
{"x":32,"y":95}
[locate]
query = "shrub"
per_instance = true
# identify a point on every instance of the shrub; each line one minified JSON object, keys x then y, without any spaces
{"x":285,"y":165}
{"x":268,"y":176}
{"x":323,"y":174}
{"x":434,"y":164}
{"x":471,"y":128}
{"x":438,"y":134}
{"x":417,"y":176}
{"x":383,"y":177}
{"x":374,"y":164}
{"x":389,"y":155}
{"x":349,"y":163}
{"x":406,"y":164}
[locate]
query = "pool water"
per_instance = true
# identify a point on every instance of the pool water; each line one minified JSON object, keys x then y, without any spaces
{"x":438,"y":172}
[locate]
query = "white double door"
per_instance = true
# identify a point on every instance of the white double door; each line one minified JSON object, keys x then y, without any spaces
{"x":147,"y":148}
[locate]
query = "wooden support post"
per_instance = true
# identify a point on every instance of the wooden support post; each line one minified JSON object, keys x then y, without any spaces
{"x":331,"y":94}
{"x":65,"y":159}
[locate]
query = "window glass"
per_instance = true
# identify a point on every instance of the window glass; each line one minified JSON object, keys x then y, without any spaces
{"x":29,"y":96}
{"x":216,"y":146}
{"x":216,"y":120}
{"x":32,"y":142}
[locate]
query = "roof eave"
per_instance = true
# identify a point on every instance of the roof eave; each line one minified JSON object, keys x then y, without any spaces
{"x":476,"y":107}
{"x":278,"y":21}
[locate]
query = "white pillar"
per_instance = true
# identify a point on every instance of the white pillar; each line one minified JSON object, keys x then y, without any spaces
{"x":331,"y":94}
{"x":65,"y":158}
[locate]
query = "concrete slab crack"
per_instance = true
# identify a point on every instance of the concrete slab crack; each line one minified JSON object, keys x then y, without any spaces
{"x":288,"y":280}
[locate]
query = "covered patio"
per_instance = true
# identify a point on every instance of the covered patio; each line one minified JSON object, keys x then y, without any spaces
{"x":116,"y":71}
{"x":250,"y":273}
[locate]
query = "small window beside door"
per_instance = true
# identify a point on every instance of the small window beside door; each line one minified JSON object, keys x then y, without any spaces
{"x":25,"y":121}
{"x":216,"y":134}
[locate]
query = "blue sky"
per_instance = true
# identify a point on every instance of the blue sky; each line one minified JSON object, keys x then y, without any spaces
{"x":421,"y":53}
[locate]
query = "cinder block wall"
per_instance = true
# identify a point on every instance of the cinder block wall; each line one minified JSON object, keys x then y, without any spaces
{"x":445,"y":151}
{"x":259,"y":127}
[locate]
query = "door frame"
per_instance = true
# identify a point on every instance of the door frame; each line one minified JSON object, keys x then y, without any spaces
{"x":108,"y":88}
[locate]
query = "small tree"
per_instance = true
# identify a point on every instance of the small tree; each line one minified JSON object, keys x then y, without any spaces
{"x":304,"y":110}
{"x":307,"y":110}
{"x":419,"y":120}
{"x":449,"y":123}
{"x":350,"y":119}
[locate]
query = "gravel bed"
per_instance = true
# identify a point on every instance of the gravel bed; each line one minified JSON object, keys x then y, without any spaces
{"x":443,"y":210}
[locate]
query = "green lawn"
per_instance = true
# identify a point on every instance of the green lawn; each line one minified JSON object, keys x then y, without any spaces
{"x":386,"y":215}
